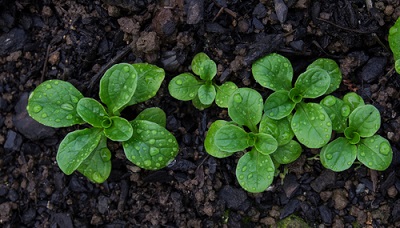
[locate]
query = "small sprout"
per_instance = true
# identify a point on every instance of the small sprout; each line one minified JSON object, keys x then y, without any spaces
{"x":394,"y":43}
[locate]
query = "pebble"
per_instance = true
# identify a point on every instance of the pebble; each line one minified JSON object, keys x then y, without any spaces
{"x":392,"y":192}
{"x":76,"y":185}
{"x":233,"y":197}
{"x":360,"y":188}
{"x":326,"y":214}
{"x":61,"y":220}
{"x":260,"y":11}
{"x":194,"y":11}
{"x":12,"y":41}
{"x":290,"y":208}
{"x":28,"y":215}
{"x":373,"y":69}
{"x":290,"y":185}
{"x":281,"y":10}
{"x":325,"y":179}
{"x":340,"y":199}
{"x":102,"y":205}
{"x":13,"y":141}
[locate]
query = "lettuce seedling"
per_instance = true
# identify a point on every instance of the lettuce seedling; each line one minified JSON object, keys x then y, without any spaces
{"x":270,"y":141}
{"x":394,"y":44}
{"x":202,"y":92}
{"x":360,"y":140}
{"x":145,"y":140}
{"x":310,"y":123}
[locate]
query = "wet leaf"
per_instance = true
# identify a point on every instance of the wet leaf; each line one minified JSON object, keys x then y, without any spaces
{"x":331,"y":67}
{"x":366,"y":120}
{"x":375,"y":152}
{"x":265,"y":143}
{"x":209,"y":142}
{"x":91,"y":111}
{"x":155,"y":115}
{"x":279,"y":129}
{"x":337,"y":111}
{"x":53,"y":103}
{"x":313,"y":83}
{"x":184,"y":87}
{"x":287,"y":153}
{"x":223,"y":94}
{"x":120,"y":129}
{"x":353,"y":100}
{"x":278,"y":105}
{"x":203,"y":66}
{"x":231,"y":138}
{"x":207,"y":94}
{"x":338,"y":155}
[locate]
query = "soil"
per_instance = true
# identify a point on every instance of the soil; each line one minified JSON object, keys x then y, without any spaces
{"x":78,"y":40}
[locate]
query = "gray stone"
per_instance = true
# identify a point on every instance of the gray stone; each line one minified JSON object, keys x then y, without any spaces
{"x":12,"y":41}
{"x":234,"y":197}
{"x":373,"y":69}
{"x":326,"y":178}
{"x":13,"y":141}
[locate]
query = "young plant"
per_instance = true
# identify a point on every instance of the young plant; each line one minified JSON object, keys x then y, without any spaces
{"x":202,"y":92}
{"x":394,"y":43}
{"x":145,"y":140}
{"x":360,"y":140}
{"x":310,"y":123}
{"x":270,"y":141}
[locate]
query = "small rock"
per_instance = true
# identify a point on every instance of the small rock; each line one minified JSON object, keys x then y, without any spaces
{"x":325,"y":195}
{"x":340,"y":199}
{"x":360,"y":188}
{"x":194,"y":11}
{"x":373,"y":69}
{"x":290,"y":185}
{"x":3,"y":190}
{"x":290,"y":208}
{"x":54,"y":58}
{"x":5,"y":211}
{"x":392,"y":192}
{"x":76,"y":185}
{"x":102,"y":205}
{"x":183,"y":165}
{"x":129,"y":25}
{"x":164,"y":22}
{"x":234,"y":197}
{"x":12,"y":41}
{"x":260,"y":11}
{"x":326,"y":178}
{"x":28,"y":215}
{"x":148,"y":42}
{"x":326,"y":214}
{"x":61,"y":219}
{"x":281,"y":10}
{"x":13,"y":141}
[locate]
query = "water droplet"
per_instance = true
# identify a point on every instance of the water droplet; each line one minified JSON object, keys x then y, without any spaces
{"x":179,"y":82}
{"x":322,"y":117}
{"x":328,"y":124}
{"x":312,"y":118}
{"x":249,"y":176}
{"x":348,"y":163}
{"x":241,"y":177}
{"x":362,"y":154}
{"x":154,"y":151}
{"x":170,"y":140}
{"x":126,"y":68}
{"x":272,"y":114}
{"x":37,"y":108}
{"x":152,"y":141}
{"x":369,"y":163}
{"x":105,"y":154}
{"x":153,"y":132}
{"x":329,"y":101}
{"x":69,"y":117}
{"x":44,"y":115}
{"x":345,"y":111}
{"x":237,"y":98}
{"x":67,"y":107}
{"x":58,"y":120}
{"x":48,"y":86}
{"x":74,"y":99}
{"x":147,"y":163}
{"x":139,"y":131}
{"x":191,"y":94}
{"x":329,"y":156}
{"x":158,"y":164}
{"x":244,"y":168}
{"x":160,"y":158}
{"x":97,"y":177}
{"x":137,"y":148}
{"x":270,"y":169}
{"x":384,"y":148}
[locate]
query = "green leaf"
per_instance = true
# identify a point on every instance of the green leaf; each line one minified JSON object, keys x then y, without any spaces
{"x":366,"y":120}
{"x":203,"y":66}
{"x":245,"y":107}
{"x":375,"y":152}
{"x":53,"y":103}
{"x":278,"y":105}
{"x":274,"y":72}
{"x":91,"y":111}
{"x":149,"y":81}
{"x":206,"y":94}
{"x":352,"y":135}
{"x":265,"y":143}
{"x":338,"y":155}
{"x":333,"y":70}
{"x":394,"y":39}
{"x":279,"y":129}
{"x":255,"y":171}
{"x":184,"y":87}
{"x":151,"y":147}
{"x":311,"y":125}
{"x":197,"y":103}
{"x":97,"y":166}
{"x":209,"y":142}
{"x":117,"y":86}
{"x":287,"y":153}
{"x":223,"y":93}
{"x":313,"y":83}
{"x":337,"y":111}
{"x":155,"y":115}
{"x":397,"y":66}
{"x":353,"y":100}
{"x":231,"y":138}
{"x":119,"y":130}
{"x":76,"y":147}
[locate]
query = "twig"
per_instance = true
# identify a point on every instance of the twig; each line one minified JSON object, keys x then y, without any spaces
{"x":344,"y":28}
{"x":44,"y":70}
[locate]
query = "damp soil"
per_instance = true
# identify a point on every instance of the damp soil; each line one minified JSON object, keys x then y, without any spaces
{"x":77,"y":41}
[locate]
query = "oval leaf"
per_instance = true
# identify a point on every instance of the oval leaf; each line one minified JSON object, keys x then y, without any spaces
{"x":394,"y":39}
{"x":151,"y":147}
{"x":337,"y":111}
{"x":117,"y":86}
{"x":149,"y":81}
{"x":311,"y":125}
{"x":76,"y":147}
{"x":155,"y":115}
{"x":91,"y":111}
{"x":278,"y":105}
{"x":223,"y":93}
{"x":97,"y":166}
{"x":255,"y":171}
{"x":245,"y":107}
{"x":206,"y":94}
{"x":333,"y":70}
{"x":197,"y":103}
{"x":274,"y":72}
{"x":338,"y":155}
{"x":265,"y":143}
{"x":120,"y":129}
{"x":231,"y":138}
{"x":184,"y":87}
{"x":53,"y":103}
{"x":353,"y":100}
{"x":375,"y":152}
{"x":209,"y":142}
{"x":203,"y":66}
{"x":313,"y":83}
{"x":366,"y":120}
{"x":279,"y":129}
{"x":287,"y":153}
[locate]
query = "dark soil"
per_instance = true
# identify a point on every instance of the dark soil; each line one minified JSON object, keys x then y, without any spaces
{"x":77,"y":40}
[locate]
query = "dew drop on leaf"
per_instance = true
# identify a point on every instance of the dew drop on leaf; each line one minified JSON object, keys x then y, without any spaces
{"x":160,"y":158}
{"x":48,"y":86}
{"x":362,"y":154}
{"x":369,"y":163}
{"x":384,"y":148}
{"x":345,"y":111}
{"x":74,"y":98}
{"x":329,"y":156}
{"x":329,"y":101}
{"x":147,"y":163}
{"x":158,"y":164}
{"x":44,"y":115}
{"x":322,"y":117}
{"x":37,"y":108}
{"x":179,"y":82}
{"x":105,"y":154}
{"x":58,"y":120}
{"x":191,"y":94}
{"x":152,"y":141}
{"x":67,"y":107}
{"x":154,"y":151}
{"x":270,"y":169}
{"x":244,"y":168}
{"x":249,"y":176}
{"x":69,"y":117}
{"x":237,"y":98}
{"x":241,"y":177}
{"x":97,"y":177}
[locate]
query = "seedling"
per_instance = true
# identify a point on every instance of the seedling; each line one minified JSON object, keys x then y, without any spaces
{"x":394,"y":43}
{"x":145,"y":140}
{"x":270,"y":141}
{"x":202,"y":92}
{"x":310,"y":123}
{"x":360,"y":140}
